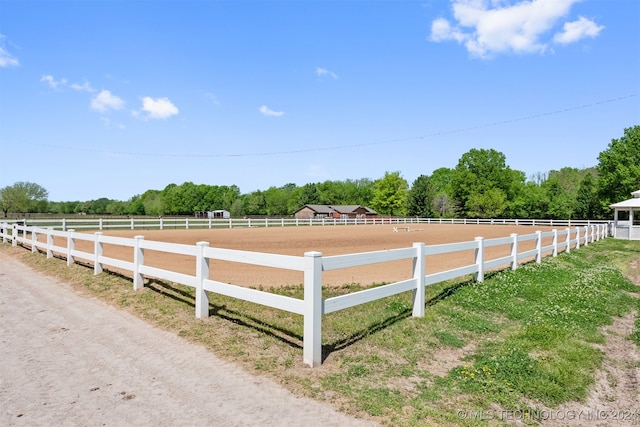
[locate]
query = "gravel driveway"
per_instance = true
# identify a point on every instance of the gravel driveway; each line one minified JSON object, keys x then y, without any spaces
{"x":69,"y":359}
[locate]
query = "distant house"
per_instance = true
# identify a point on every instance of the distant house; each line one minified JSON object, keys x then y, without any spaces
{"x":334,"y":211}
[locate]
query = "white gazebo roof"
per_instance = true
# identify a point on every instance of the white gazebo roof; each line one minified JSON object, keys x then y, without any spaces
{"x":630,"y":203}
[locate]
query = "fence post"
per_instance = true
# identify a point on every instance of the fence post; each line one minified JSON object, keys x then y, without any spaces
{"x":480,"y":259}
{"x":161,"y":223}
{"x":14,"y":234}
{"x":568,"y":250}
{"x":538,"y":246}
{"x":34,"y":240}
{"x":64,"y":224}
{"x":97,"y":252}
{"x":514,"y":251}
{"x":418,"y":275}
{"x":586,"y":235}
{"x":186,"y":223}
{"x":71,"y":246}
{"x":202,"y":274}
{"x":578,"y":237}
{"x":138,"y":260}
{"x":49,"y":242}
{"x":555,"y":242}
{"x":312,"y":336}
{"x":100,"y":224}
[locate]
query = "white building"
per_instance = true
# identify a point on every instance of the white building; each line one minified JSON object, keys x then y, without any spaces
{"x":627,"y":218}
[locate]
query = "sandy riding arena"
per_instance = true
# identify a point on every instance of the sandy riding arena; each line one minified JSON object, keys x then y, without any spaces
{"x":330,"y":240}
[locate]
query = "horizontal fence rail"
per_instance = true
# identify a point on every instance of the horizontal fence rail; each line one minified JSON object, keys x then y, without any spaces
{"x":312,"y":307}
{"x":212,"y":223}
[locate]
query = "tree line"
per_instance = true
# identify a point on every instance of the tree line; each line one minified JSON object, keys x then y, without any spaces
{"x":481,"y":185}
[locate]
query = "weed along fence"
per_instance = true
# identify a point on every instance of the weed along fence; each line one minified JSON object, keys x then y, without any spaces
{"x":313,"y":264}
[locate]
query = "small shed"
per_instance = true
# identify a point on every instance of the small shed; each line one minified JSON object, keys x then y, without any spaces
{"x":627,"y":218}
{"x":220,"y":213}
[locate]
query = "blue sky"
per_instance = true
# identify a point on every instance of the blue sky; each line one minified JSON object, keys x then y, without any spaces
{"x":112,"y":98}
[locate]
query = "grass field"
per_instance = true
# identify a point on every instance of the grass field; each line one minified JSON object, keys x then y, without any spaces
{"x":525,"y":340}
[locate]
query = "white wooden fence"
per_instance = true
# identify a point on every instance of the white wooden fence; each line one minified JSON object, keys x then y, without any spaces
{"x":312,"y":307}
{"x":141,"y":223}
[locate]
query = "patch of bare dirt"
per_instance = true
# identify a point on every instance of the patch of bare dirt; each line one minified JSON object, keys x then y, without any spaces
{"x":615,"y":397}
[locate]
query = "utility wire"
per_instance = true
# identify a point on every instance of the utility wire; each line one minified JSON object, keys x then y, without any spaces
{"x":342,"y":147}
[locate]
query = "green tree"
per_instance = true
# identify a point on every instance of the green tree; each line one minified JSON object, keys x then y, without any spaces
{"x":23,"y":197}
{"x":531,"y":202}
{"x":390,"y":195}
{"x":420,"y":198}
{"x":619,"y":168}
{"x":587,"y":203}
{"x":488,"y":204}
{"x":441,"y":180}
{"x":482,"y":180}
{"x":561,"y":188}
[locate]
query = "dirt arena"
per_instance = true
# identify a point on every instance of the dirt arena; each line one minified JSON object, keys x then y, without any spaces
{"x":330,"y":240}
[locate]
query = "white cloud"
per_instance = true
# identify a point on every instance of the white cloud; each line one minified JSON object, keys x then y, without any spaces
{"x":211,"y":97}
{"x":324,"y":72}
{"x":577,"y":30}
{"x":489,"y":28}
{"x":105,"y":101}
{"x":267,"y":112}
{"x":6,"y":59}
{"x":159,"y":108}
{"x":84,"y":87}
{"x":53,"y":83}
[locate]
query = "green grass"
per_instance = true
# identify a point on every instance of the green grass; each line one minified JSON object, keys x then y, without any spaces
{"x":520,"y":340}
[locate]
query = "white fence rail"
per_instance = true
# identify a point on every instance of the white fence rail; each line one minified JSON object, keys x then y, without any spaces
{"x":312,"y":307}
{"x":210,"y":223}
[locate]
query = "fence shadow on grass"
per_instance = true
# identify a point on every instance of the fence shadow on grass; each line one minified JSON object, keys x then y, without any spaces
{"x":284,"y":335}
{"x":345,"y":342}
{"x":167,"y":290}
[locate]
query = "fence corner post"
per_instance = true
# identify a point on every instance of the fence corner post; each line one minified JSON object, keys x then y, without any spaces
{"x":138,"y":260}
{"x":418,"y":276}
{"x":202,"y":274}
{"x":479,"y":276}
{"x":313,"y":308}
{"x":97,"y":253}
{"x":514,"y":251}
{"x":538,"y":247}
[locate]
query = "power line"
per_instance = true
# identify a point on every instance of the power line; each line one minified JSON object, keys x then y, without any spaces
{"x":347,"y":146}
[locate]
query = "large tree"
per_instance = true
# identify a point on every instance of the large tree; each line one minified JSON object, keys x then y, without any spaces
{"x":482,"y":184}
{"x":390,"y":194}
{"x":619,"y":168}
{"x":421,"y":197}
{"x":23,"y":197}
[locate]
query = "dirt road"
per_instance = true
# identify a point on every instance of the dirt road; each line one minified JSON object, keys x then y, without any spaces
{"x":68,"y":359}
